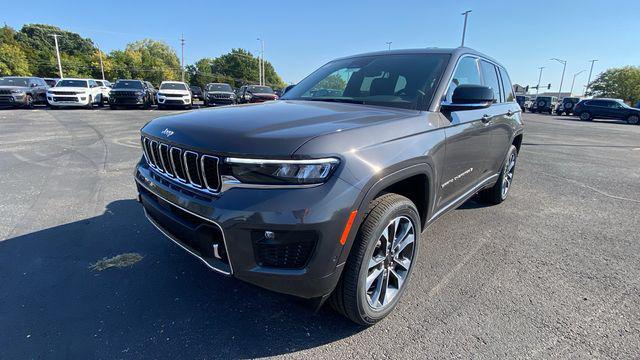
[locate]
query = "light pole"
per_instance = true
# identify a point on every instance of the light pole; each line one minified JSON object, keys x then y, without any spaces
{"x":464,"y":28}
{"x":574,"y":80}
{"x":564,"y":67}
{"x":101,"y":66}
{"x":182,"y":55}
{"x":55,"y":38}
{"x":589,"y":79}
{"x":539,"y":78}
{"x":261,"y":63}
{"x":388,"y":45}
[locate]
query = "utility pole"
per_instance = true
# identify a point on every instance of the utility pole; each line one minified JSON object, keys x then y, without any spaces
{"x":539,"y":78}
{"x":464,"y":28}
{"x":589,"y":80}
{"x":388,"y":45}
{"x":55,"y":38}
{"x":101,"y":66}
{"x":564,"y":67}
{"x":574,"y":80}
{"x":182,"y":55}
{"x":261,"y":63}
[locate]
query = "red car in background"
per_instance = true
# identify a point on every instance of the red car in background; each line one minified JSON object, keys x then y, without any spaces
{"x":255,"y":94}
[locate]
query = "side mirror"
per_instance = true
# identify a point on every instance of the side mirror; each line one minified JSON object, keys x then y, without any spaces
{"x":289,"y":87}
{"x":470,"y":97}
{"x":34,"y":85}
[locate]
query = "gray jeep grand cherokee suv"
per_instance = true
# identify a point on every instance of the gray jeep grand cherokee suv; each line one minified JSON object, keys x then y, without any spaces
{"x":325,"y":197}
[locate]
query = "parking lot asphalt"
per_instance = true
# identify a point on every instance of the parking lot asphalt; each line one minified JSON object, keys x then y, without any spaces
{"x":553,"y":271}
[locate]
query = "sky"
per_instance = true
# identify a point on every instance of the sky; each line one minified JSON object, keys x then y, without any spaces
{"x":300,"y":36}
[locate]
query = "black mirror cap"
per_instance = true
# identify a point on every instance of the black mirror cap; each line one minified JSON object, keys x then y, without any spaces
{"x":473,"y":95}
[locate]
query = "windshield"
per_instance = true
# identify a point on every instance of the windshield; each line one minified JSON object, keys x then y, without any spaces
{"x":219,"y":87}
{"x":196,"y":88}
{"x":403,"y":81}
{"x":71,"y":83}
{"x":260,"y":89}
{"x":13,"y":82}
{"x":172,"y":86}
{"x":123,"y":84}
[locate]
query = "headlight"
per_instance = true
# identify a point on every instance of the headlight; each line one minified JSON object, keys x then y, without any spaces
{"x":281,"y":172}
{"x":160,"y":94}
{"x":17,"y":91}
{"x":139,"y":93}
{"x":233,"y":96}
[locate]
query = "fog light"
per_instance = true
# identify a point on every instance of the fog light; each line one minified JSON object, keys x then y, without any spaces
{"x":83,"y":98}
{"x":269,"y":235}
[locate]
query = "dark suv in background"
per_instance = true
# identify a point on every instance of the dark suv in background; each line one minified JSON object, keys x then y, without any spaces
{"x":588,"y":110}
{"x":324,"y":195}
{"x":567,"y":105}
{"x":131,"y":93}
{"x":18,"y":91}
{"x":196,"y":92}
{"x":218,"y":94}
{"x":544,"y":104}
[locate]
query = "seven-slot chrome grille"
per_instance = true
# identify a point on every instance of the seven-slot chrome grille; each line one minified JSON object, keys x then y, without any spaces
{"x":188,"y":167}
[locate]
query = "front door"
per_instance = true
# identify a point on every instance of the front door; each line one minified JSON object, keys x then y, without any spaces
{"x":468,"y":140}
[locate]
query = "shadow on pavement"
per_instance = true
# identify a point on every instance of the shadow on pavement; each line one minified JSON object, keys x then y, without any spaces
{"x":167,"y":305}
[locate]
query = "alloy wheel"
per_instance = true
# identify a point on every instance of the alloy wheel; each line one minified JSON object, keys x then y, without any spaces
{"x":507,"y":179}
{"x":390,"y":262}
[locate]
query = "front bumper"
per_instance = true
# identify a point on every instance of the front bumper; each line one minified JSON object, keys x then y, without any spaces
{"x":174,"y":101}
{"x":13,"y":100}
{"x":238,"y":218}
{"x":68,"y":100}
{"x":126,"y":100}
{"x":219,"y":101}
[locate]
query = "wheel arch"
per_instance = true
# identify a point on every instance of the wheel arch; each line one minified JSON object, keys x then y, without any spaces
{"x":416,"y":182}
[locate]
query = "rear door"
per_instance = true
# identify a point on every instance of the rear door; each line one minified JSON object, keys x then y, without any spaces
{"x":468,"y":139}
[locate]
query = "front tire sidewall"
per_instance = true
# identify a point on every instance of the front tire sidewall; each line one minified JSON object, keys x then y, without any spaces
{"x":633,"y":120}
{"x":367,"y":313}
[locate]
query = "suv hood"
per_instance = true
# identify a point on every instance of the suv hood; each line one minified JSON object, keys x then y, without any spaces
{"x":67,"y":88}
{"x":174,"y":91}
{"x":269,"y":129}
{"x":23,"y":88}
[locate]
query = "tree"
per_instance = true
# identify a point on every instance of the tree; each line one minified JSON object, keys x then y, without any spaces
{"x":154,"y":61}
{"x":621,"y":83}
{"x":333,"y":81}
{"x":13,"y":61}
{"x":240,"y":67}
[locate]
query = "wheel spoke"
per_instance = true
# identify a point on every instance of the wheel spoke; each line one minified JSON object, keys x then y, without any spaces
{"x":406,"y":241}
{"x":398,"y":277}
{"x":375,"y":261}
{"x":378,"y":291}
{"x":403,"y":233}
{"x":373,"y":276}
{"x":404,"y":262}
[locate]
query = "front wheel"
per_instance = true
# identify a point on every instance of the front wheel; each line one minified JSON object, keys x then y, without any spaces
{"x":498,"y":192}
{"x":380,"y":262}
{"x":90,"y":103}
{"x":28,"y":102}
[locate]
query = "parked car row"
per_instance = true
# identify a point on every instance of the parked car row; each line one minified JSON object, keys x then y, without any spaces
{"x":18,"y":91}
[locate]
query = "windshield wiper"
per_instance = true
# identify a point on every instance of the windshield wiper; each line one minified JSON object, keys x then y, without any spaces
{"x":338,"y":100}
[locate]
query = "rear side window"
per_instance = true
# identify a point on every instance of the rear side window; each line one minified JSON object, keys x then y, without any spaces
{"x":491,"y":78}
{"x":466,"y":74}
{"x":507,"y":88}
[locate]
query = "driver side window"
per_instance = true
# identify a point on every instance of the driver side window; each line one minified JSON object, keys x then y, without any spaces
{"x":466,"y":73}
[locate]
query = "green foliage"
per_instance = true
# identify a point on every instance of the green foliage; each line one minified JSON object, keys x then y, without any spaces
{"x":13,"y":61}
{"x":333,"y":81}
{"x":620,"y":83}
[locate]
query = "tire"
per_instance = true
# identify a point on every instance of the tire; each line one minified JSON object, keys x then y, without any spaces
{"x":586,"y":116}
{"x":101,"y":102}
{"x":113,"y":107}
{"x":148,"y":104}
{"x":29,"y":103}
{"x":90,"y":103}
{"x":633,"y":119}
{"x":160,"y":107}
{"x":351,"y":297}
{"x":499,"y":192}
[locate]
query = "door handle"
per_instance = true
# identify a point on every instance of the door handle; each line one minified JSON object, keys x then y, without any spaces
{"x":486,"y":118}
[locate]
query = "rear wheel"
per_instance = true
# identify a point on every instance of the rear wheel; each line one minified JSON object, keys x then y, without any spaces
{"x":586,"y":116}
{"x":498,"y":192}
{"x":633,"y":120}
{"x":380,"y":262}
